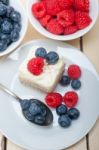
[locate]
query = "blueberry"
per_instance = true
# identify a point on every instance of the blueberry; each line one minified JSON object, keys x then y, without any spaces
{"x":64,"y":121}
{"x":17,"y":26}
{"x":34,"y":109}
{"x":6,"y":2}
{"x":3,"y":46}
{"x":52,"y":57}
{"x":3,"y":9}
{"x":76,"y":84}
{"x":15,"y":16}
{"x":65,"y":80}
{"x":39,"y":120}
{"x":1,"y":20}
{"x":25,"y":104}
{"x":4,"y":36}
{"x":9,"y":11}
{"x":61,"y":110}
{"x":41,"y":52}
{"x":73,"y":113}
{"x":6,"y":26}
{"x":15,"y":35}
{"x":28,"y":115}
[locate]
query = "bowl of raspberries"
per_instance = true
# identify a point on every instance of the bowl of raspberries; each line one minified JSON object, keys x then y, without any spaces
{"x":13,"y":25}
{"x":62,"y":19}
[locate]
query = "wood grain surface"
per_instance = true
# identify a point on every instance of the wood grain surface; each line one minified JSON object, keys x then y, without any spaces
{"x":89,"y":44}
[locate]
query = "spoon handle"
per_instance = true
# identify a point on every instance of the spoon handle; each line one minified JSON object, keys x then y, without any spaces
{"x":5,"y":89}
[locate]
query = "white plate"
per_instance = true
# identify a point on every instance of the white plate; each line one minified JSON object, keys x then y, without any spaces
{"x":18,"y":5}
{"x":94,"y":10}
{"x":30,"y":136}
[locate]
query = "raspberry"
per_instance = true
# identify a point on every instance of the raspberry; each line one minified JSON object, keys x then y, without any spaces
{"x":38,"y":10}
{"x":66,"y":17}
{"x":52,"y":7}
{"x":65,"y":4}
{"x":70,"y":29}
{"x":70,"y":99}
{"x":35,"y":65}
{"x":74,"y":72}
{"x":82,"y":19}
{"x":54,"y":27}
{"x":53,"y":99}
{"x":82,"y":5}
{"x":44,"y":21}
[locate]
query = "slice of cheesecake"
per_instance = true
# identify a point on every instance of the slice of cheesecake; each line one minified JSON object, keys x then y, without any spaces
{"x":47,"y":80}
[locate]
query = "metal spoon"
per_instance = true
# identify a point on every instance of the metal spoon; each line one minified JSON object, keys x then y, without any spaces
{"x":32,"y":109}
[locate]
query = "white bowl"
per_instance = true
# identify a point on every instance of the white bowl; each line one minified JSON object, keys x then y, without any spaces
{"x":94,"y":9}
{"x":17,"y":4}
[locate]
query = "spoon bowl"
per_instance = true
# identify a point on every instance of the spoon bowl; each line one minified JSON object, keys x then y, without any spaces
{"x":33,"y":110}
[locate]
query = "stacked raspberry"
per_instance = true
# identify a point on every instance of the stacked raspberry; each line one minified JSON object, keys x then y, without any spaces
{"x":62,"y":17}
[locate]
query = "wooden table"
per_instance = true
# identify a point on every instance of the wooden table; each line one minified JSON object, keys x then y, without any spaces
{"x":89,"y":44}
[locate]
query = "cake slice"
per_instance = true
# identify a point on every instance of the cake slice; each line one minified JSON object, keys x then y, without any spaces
{"x":47,"y":79}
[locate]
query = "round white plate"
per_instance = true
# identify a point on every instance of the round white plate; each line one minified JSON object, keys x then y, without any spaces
{"x":14,"y":126}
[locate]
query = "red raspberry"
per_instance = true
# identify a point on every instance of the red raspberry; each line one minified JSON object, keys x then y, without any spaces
{"x":70,"y":99}
{"x":66,"y":17}
{"x":82,"y":5}
{"x":44,"y":21}
{"x":52,"y":7}
{"x":74,"y":72}
{"x":82,"y":19}
{"x":53,"y":99}
{"x":70,"y":29}
{"x":38,"y":10}
{"x":35,"y":65}
{"x":65,"y":4}
{"x":54,"y":27}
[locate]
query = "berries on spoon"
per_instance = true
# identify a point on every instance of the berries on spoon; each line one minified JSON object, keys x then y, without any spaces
{"x":65,"y":80}
{"x":74,"y":72}
{"x":70,"y":99}
{"x":54,"y":99}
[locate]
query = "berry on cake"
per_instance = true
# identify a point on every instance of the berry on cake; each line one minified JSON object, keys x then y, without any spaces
{"x":42,"y":69}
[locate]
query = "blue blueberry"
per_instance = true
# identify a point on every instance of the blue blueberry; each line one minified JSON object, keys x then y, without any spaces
{"x":76,"y":84}
{"x":4,"y":36}
{"x":6,"y":26}
{"x":9,"y":11}
{"x":17,"y":26}
{"x":34,"y":109}
{"x":73,"y":113}
{"x":6,"y":2}
{"x":14,"y":35}
{"x":1,"y":20}
{"x":52,"y":57}
{"x":65,"y":80}
{"x":3,"y":46}
{"x":41,"y":52}
{"x":40,"y":120}
{"x":3,"y":9}
{"x":64,"y":121}
{"x":28,"y":115}
{"x":15,"y":16}
{"x":25,"y":104}
{"x":61,"y":110}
